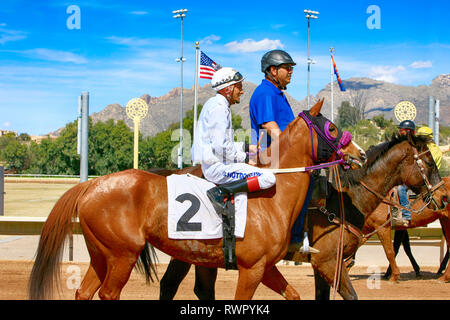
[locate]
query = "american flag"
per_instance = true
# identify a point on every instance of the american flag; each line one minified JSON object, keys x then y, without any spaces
{"x":207,"y":66}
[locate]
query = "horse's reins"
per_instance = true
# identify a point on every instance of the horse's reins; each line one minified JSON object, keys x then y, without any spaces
{"x":340,"y":251}
{"x":429,"y":193}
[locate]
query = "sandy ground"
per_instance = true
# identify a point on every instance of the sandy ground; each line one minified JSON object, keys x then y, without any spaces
{"x":31,"y":199}
{"x":368,"y":285}
{"x":17,"y":255}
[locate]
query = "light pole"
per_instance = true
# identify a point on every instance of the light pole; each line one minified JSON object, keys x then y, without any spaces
{"x":181,"y":14}
{"x":309,"y":14}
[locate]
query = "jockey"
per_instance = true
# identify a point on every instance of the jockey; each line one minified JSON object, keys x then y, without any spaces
{"x":223,"y":160}
{"x":406,"y":127}
{"x":436,"y":153}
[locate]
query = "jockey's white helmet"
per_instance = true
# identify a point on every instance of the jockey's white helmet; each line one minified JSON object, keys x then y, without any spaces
{"x":225,"y":77}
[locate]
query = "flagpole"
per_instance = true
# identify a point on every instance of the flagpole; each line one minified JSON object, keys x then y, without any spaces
{"x":331,"y":83}
{"x":197,"y":50}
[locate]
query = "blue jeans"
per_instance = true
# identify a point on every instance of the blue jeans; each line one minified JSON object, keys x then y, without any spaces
{"x":404,"y":201}
{"x":297,"y":228}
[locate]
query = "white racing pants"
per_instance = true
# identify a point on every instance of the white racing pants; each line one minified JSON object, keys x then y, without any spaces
{"x":220,"y":173}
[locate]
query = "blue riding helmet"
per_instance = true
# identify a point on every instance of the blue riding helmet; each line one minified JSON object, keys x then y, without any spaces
{"x":407,"y":124}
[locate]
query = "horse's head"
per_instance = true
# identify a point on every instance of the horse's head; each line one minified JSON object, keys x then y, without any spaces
{"x":331,"y":142}
{"x":419,"y":172}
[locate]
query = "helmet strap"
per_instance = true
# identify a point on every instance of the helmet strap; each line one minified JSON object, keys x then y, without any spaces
{"x":227,"y":93}
{"x":276,"y":81}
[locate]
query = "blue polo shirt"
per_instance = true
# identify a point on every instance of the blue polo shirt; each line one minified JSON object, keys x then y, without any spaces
{"x":268,"y":103}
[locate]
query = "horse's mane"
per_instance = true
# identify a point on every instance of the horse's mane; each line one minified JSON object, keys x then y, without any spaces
{"x":376,"y":156}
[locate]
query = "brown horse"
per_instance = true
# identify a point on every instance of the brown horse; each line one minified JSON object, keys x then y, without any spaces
{"x":389,"y":164}
{"x":377,"y":221}
{"x":121,"y":212}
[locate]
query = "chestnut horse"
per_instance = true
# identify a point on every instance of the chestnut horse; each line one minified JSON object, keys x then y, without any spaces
{"x":377,"y":221}
{"x":120,"y":212}
{"x":390,"y":164}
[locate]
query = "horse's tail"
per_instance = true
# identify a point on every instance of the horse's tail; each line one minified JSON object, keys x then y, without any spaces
{"x":146,"y":262}
{"x":51,"y":244}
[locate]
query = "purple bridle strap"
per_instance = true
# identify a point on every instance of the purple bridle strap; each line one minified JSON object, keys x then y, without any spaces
{"x":345,"y":139}
{"x":324,"y":165}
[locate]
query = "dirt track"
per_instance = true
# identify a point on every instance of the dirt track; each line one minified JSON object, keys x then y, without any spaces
{"x":14,"y":279}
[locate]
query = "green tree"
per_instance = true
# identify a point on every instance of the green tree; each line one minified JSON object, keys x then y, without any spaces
{"x":347,"y":115}
{"x":110,"y":147}
{"x":15,"y":155}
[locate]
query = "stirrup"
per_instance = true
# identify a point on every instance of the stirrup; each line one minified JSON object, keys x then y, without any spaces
{"x":400,"y":222}
{"x":218,"y":199}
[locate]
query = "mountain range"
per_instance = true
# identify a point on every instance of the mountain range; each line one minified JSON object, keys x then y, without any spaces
{"x":377,"y":97}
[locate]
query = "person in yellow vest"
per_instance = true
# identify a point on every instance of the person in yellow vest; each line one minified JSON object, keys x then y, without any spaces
{"x":434,"y":149}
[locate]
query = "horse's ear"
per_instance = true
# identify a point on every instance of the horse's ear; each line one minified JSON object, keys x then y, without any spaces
{"x":315,"y":110}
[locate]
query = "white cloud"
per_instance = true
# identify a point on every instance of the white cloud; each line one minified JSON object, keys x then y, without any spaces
{"x":421,"y":64}
{"x":250,"y":45}
{"x":130,"y":41}
{"x":54,"y":55}
{"x":210,"y":39}
{"x":386,"y":73}
{"x":7,"y":35}
{"x":6,"y":124}
{"x":277,"y":26}
{"x":139,"y":13}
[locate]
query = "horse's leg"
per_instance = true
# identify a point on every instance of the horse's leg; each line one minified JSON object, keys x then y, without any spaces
{"x":346,"y":289}
{"x":205,"y":280}
{"x":322,"y":287}
{"x":248,"y":280}
{"x":97,"y":268}
{"x":274,"y":280}
{"x":89,"y":285}
{"x":407,"y":248}
{"x":119,"y":270}
{"x":384,"y":234}
{"x":175,"y":273}
{"x":445,"y":223}
{"x":326,"y":269}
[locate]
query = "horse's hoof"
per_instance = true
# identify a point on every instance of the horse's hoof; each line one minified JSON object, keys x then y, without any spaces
{"x":394,"y":280}
{"x":443,"y":279}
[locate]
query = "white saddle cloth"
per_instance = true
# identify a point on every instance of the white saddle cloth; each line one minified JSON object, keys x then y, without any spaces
{"x":192,"y":215}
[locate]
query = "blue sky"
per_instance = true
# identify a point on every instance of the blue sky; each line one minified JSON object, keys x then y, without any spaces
{"x":124,"y":49}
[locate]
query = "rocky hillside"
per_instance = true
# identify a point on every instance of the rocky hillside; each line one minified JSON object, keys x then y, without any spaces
{"x":377,"y":96}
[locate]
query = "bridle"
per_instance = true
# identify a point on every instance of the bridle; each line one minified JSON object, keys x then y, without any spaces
{"x":332,"y":142}
{"x":427,"y":195}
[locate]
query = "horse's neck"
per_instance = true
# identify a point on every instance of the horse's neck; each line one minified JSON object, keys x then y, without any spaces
{"x":294,"y":151}
{"x":381,"y":178}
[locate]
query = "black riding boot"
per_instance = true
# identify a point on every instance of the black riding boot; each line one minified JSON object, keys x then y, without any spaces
{"x":220,"y":194}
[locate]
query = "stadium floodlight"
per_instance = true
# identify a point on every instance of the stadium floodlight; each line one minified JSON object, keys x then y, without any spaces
{"x":309,"y":14}
{"x":181,"y":13}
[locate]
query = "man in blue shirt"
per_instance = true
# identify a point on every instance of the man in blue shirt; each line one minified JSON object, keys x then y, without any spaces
{"x":269,"y":108}
{"x":271,"y":111}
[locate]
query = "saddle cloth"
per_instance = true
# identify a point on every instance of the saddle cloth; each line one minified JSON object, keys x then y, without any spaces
{"x":192,"y":215}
